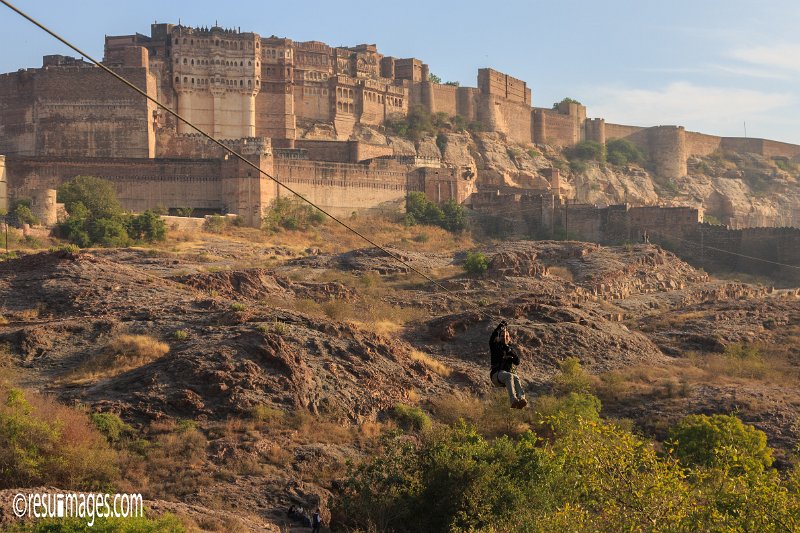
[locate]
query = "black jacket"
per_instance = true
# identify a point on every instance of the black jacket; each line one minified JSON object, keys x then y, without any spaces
{"x":503,"y":355}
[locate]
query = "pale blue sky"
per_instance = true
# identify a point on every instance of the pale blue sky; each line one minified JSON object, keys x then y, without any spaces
{"x":710,"y":65}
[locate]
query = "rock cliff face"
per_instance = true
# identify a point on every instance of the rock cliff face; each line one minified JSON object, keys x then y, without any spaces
{"x":740,"y":190}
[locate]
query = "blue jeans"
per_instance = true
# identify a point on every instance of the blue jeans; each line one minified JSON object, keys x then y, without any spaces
{"x":511,"y":382}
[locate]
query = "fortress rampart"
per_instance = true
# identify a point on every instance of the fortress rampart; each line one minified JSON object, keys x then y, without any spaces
{"x":237,"y":84}
{"x":679,"y":229}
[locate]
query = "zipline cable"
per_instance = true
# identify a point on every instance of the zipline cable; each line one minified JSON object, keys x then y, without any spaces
{"x":238,"y":155}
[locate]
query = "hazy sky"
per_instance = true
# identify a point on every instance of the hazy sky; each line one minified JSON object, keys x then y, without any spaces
{"x":709,"y":65}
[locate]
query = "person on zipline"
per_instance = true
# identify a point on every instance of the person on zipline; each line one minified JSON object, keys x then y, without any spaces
{"x":503,"y":360}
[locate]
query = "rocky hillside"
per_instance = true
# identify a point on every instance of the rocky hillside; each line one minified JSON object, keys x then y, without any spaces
{"x":251,"y":386}
{"x":736,"y":189}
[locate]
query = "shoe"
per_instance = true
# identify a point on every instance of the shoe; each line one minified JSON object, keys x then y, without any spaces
{"x":522,"y":403}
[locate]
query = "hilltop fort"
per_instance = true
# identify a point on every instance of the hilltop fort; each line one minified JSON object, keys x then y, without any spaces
{"x":299,"y":110}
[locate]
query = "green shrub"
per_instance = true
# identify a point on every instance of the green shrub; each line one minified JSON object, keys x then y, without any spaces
{"x":181,"y":334}
{"x":417,"y":124}
{"x":476,"y":263}
{"x":578,"y":166}
{"x":184,"y":211}
{"x":411,"y":418}
{"x":108,"y":232}
{"x":21,"y":214}
{"x":720,"y":441}
{"x":111,"y":426}
{"x":572,"y":377}
{"x":620,"y":152}
{"x":214,"y":224}
{"x":587,"y":151}
{"x":291,"y":214}
{"x":451,"y":216}
{"x":148,"y":227}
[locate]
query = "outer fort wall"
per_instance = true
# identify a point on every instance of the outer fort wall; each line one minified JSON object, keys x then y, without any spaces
{"x":443,"y":98}
{"x":552,"y":127}
{"x":717,"y":248}
{"x":344,"y":188}
{"x":17,"y":126}
{"x":701,"y":144}
{"x":141,"y":183}
{"x":83,"y":112}
{"x":343,"y":151}
{"x":466,"y":102}
{"x":620,"y":131}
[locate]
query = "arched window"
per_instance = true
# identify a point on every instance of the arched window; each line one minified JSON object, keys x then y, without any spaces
{"x":241,"y":83}
{"x":192,"y":80}
{"x":216,"y":42}
{"x":184,"y":60}
{"x":185,"y":79}
{"x":177,"y":60}
{"x":192,"y":41}
{"x":241,"y":63}
{"x":177,"y":79}
{"x":249,"y":83}
{"x":192,"y":62}
{"x":249,"y":63}
{"x":176,"y":41}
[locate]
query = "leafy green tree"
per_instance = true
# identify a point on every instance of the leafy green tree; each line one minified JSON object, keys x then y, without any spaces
{"x":566,"y":100}
{"x":110,"y":232}
{"x":433,"y":78}
{"x":21,"y":213}
{"x":96,"y":217}
{"x":720,"y":440}
{"x":148,"y":227}
{"x":455,"y":216}
{"x":98,"y":196}
{"x":476,"y":263}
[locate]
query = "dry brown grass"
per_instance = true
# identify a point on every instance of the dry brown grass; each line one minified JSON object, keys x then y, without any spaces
{"x":561,"y":272}
{"x":124,"y":352}
{"x":437,"y":367}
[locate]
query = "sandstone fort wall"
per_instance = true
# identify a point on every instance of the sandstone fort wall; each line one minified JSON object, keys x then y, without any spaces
{"x":17,"y":126}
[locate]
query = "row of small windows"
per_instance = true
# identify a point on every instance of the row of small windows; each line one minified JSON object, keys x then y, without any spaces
{"x":312,"y":75}
{"x":204,"y":81}
{"x":314,"y":90}
{"x":344,"y":93}
{"x":273,"y":71}
{"x":313,"y":59}
{"x":187,"y":61}
{"x":225,"y":44}
{"x":344,"y":107}
{"x":275,"y":54}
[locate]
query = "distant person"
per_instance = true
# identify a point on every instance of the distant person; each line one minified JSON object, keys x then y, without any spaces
{"x":316,"y":522}
{"x":503,"y":360}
